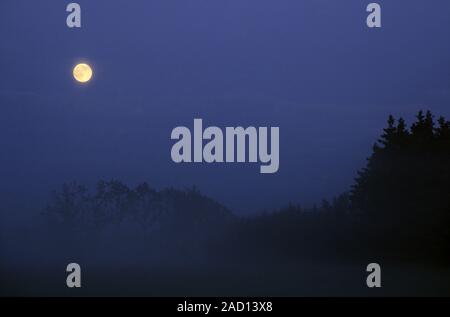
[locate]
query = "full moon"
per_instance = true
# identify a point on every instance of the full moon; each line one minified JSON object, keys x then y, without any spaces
{"x":82,"y":73}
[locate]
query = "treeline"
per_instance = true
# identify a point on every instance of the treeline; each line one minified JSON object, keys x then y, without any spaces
{"x":114,"y":205}
{"x":403,"y":193}
{"x":398,"y":208}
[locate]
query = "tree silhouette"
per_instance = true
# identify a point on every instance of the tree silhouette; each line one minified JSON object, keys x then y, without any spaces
{"x":404,"y":189}
{"x":399,"y":206}
{"x":114,"y":203}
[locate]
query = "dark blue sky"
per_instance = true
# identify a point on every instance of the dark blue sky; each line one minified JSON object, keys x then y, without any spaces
{"x":311,"y":67}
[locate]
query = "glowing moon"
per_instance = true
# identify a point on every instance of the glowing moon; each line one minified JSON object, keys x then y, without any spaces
{"x":82,"y":73}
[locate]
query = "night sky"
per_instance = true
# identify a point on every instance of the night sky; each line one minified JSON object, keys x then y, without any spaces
{"x":311,"y":67}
